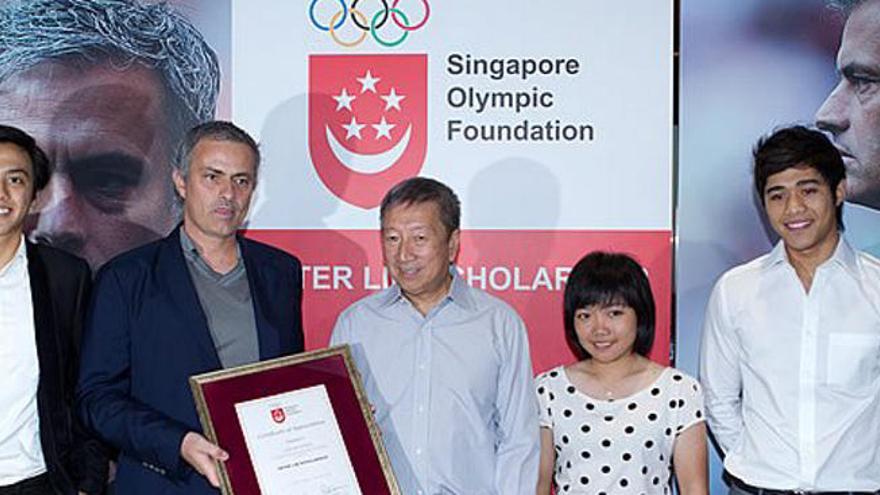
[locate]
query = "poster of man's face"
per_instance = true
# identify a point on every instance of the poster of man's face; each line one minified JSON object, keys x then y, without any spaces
{"x":107,"y":87}
{"x":851,"y":112}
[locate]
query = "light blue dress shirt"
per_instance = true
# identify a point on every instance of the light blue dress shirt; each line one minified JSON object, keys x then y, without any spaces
{"x":452,"y":390}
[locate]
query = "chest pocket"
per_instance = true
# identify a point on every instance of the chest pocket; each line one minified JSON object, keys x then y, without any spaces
{"x":853,"y":360}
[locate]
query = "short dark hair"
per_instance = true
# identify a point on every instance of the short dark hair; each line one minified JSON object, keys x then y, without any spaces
{"x":218,"y":130}
{"x":416,"y":190}
{"x":39,"y":161}
{"x":603,"y":278}
{"x":796,"y":147}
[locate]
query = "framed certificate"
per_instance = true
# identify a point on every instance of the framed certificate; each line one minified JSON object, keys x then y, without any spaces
{"x":298,"y":424}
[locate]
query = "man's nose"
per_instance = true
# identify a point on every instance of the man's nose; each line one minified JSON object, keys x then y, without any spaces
{"x":226,"y":189}
{"x":832,"y":116}
{"x":58,"y":216}
{"x":794,"y":203}
{"x":405,"y":251}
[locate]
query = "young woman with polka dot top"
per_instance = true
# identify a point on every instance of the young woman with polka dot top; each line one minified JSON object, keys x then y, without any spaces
{"x":616,"y":422}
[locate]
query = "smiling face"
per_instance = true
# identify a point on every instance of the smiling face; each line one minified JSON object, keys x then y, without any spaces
{"x":16,"y":190}
{"x":106,"y":133}
{"x":417,"y":250}
{"x":801,"y":208}
{"x":606,"y":332}
{"x":851,"y":113}
{"x":217,"y":190}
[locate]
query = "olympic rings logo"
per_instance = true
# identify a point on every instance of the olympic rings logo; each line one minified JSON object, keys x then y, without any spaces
{"x":368,"y":26}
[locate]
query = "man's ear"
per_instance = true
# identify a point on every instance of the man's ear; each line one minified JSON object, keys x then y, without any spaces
{"x":454,"y":241}
{"x":840,"y":193}
{"x":35,"y":195}
{"x":179,"y":183}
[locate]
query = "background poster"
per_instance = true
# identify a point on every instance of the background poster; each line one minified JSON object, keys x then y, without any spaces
{"x":533,"y":117}
{"x":746,"y":68}
{"x":107,"y":88}
{"x":527,"y":112}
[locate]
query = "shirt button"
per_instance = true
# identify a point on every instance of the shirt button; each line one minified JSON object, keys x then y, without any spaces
{"x":418,"y":451}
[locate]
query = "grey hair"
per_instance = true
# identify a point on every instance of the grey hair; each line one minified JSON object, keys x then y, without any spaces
{"x":217,"y":130}
{"x":122,"y":32}
{"x":418,"y":190}
{"x":845,"y":6}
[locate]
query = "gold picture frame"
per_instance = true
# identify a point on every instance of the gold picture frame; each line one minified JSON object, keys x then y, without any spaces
{"x":217,"y":393}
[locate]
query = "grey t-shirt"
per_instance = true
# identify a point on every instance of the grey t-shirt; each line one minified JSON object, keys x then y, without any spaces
{"x":226,"y":301}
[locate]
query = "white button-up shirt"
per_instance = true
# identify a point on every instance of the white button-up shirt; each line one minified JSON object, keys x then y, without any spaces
{"x":21,"y":455}
{"x":452,"y":390}
{"x":792,"y":378}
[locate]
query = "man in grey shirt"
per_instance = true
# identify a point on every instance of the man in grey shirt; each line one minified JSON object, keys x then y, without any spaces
{"x":226,"y":300}
{"x":201,"y":299}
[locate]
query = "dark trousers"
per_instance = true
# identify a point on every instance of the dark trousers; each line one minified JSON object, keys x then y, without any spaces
{"x":738,"y":487}
{"x":38,"y":485}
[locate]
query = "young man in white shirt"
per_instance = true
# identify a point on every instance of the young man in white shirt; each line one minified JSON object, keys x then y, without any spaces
{"x":791,"y":340}
{"x":44,"y":450}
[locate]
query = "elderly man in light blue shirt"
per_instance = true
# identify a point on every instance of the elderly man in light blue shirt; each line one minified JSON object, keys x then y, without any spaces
{"x":446,"y":366}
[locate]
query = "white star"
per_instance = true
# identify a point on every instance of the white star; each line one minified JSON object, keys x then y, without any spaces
{"x":383,"y":128}
{"x":353,"y":129}
{"x":392,"y":100}
{"x":368,"y":82}
{"x":344,"y":100}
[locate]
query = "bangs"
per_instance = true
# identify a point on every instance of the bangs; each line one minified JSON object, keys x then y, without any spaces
{"x":605,"y":286}
{"x":600,"y":296}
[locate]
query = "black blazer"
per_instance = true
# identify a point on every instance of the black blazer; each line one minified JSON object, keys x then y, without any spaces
{"x":60,"y":285}
{"x":147,"y":333}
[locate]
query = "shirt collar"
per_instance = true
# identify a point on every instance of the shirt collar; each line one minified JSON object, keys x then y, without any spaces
{"x":21,"y":252}
{"x":19,"y":257}
{"x":458,"y":292}
{"x":390,"y":296}
{"x":844,"y":255}
{"x":191,"y":252}
{"x":187,"y":244}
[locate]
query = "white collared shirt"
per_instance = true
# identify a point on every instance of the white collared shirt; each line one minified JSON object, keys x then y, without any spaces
{"x":21,"y":455}
{"x":792,"y":379}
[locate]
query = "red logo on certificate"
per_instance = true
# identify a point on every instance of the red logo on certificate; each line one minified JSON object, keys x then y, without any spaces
{"x":368,"y":122}
{"x":278,"y":415}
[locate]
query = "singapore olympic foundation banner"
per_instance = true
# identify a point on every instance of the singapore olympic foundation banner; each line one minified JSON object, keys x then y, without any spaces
{"x":529,"y":112}
{"x":552,"y":122}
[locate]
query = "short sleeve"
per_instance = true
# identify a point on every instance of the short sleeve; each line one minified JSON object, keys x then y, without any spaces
{"x":542,"y":389}
{"x":689,"y":398}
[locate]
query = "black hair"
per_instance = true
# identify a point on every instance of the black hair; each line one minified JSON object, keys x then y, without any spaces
{"x":602,"y":278}
{"x":39,"y":161}
{"x":796,"y":147}
{"x":416,"y":190}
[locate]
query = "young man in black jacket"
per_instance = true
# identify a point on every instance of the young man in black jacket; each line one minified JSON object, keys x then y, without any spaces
{"x":44,"y":294}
